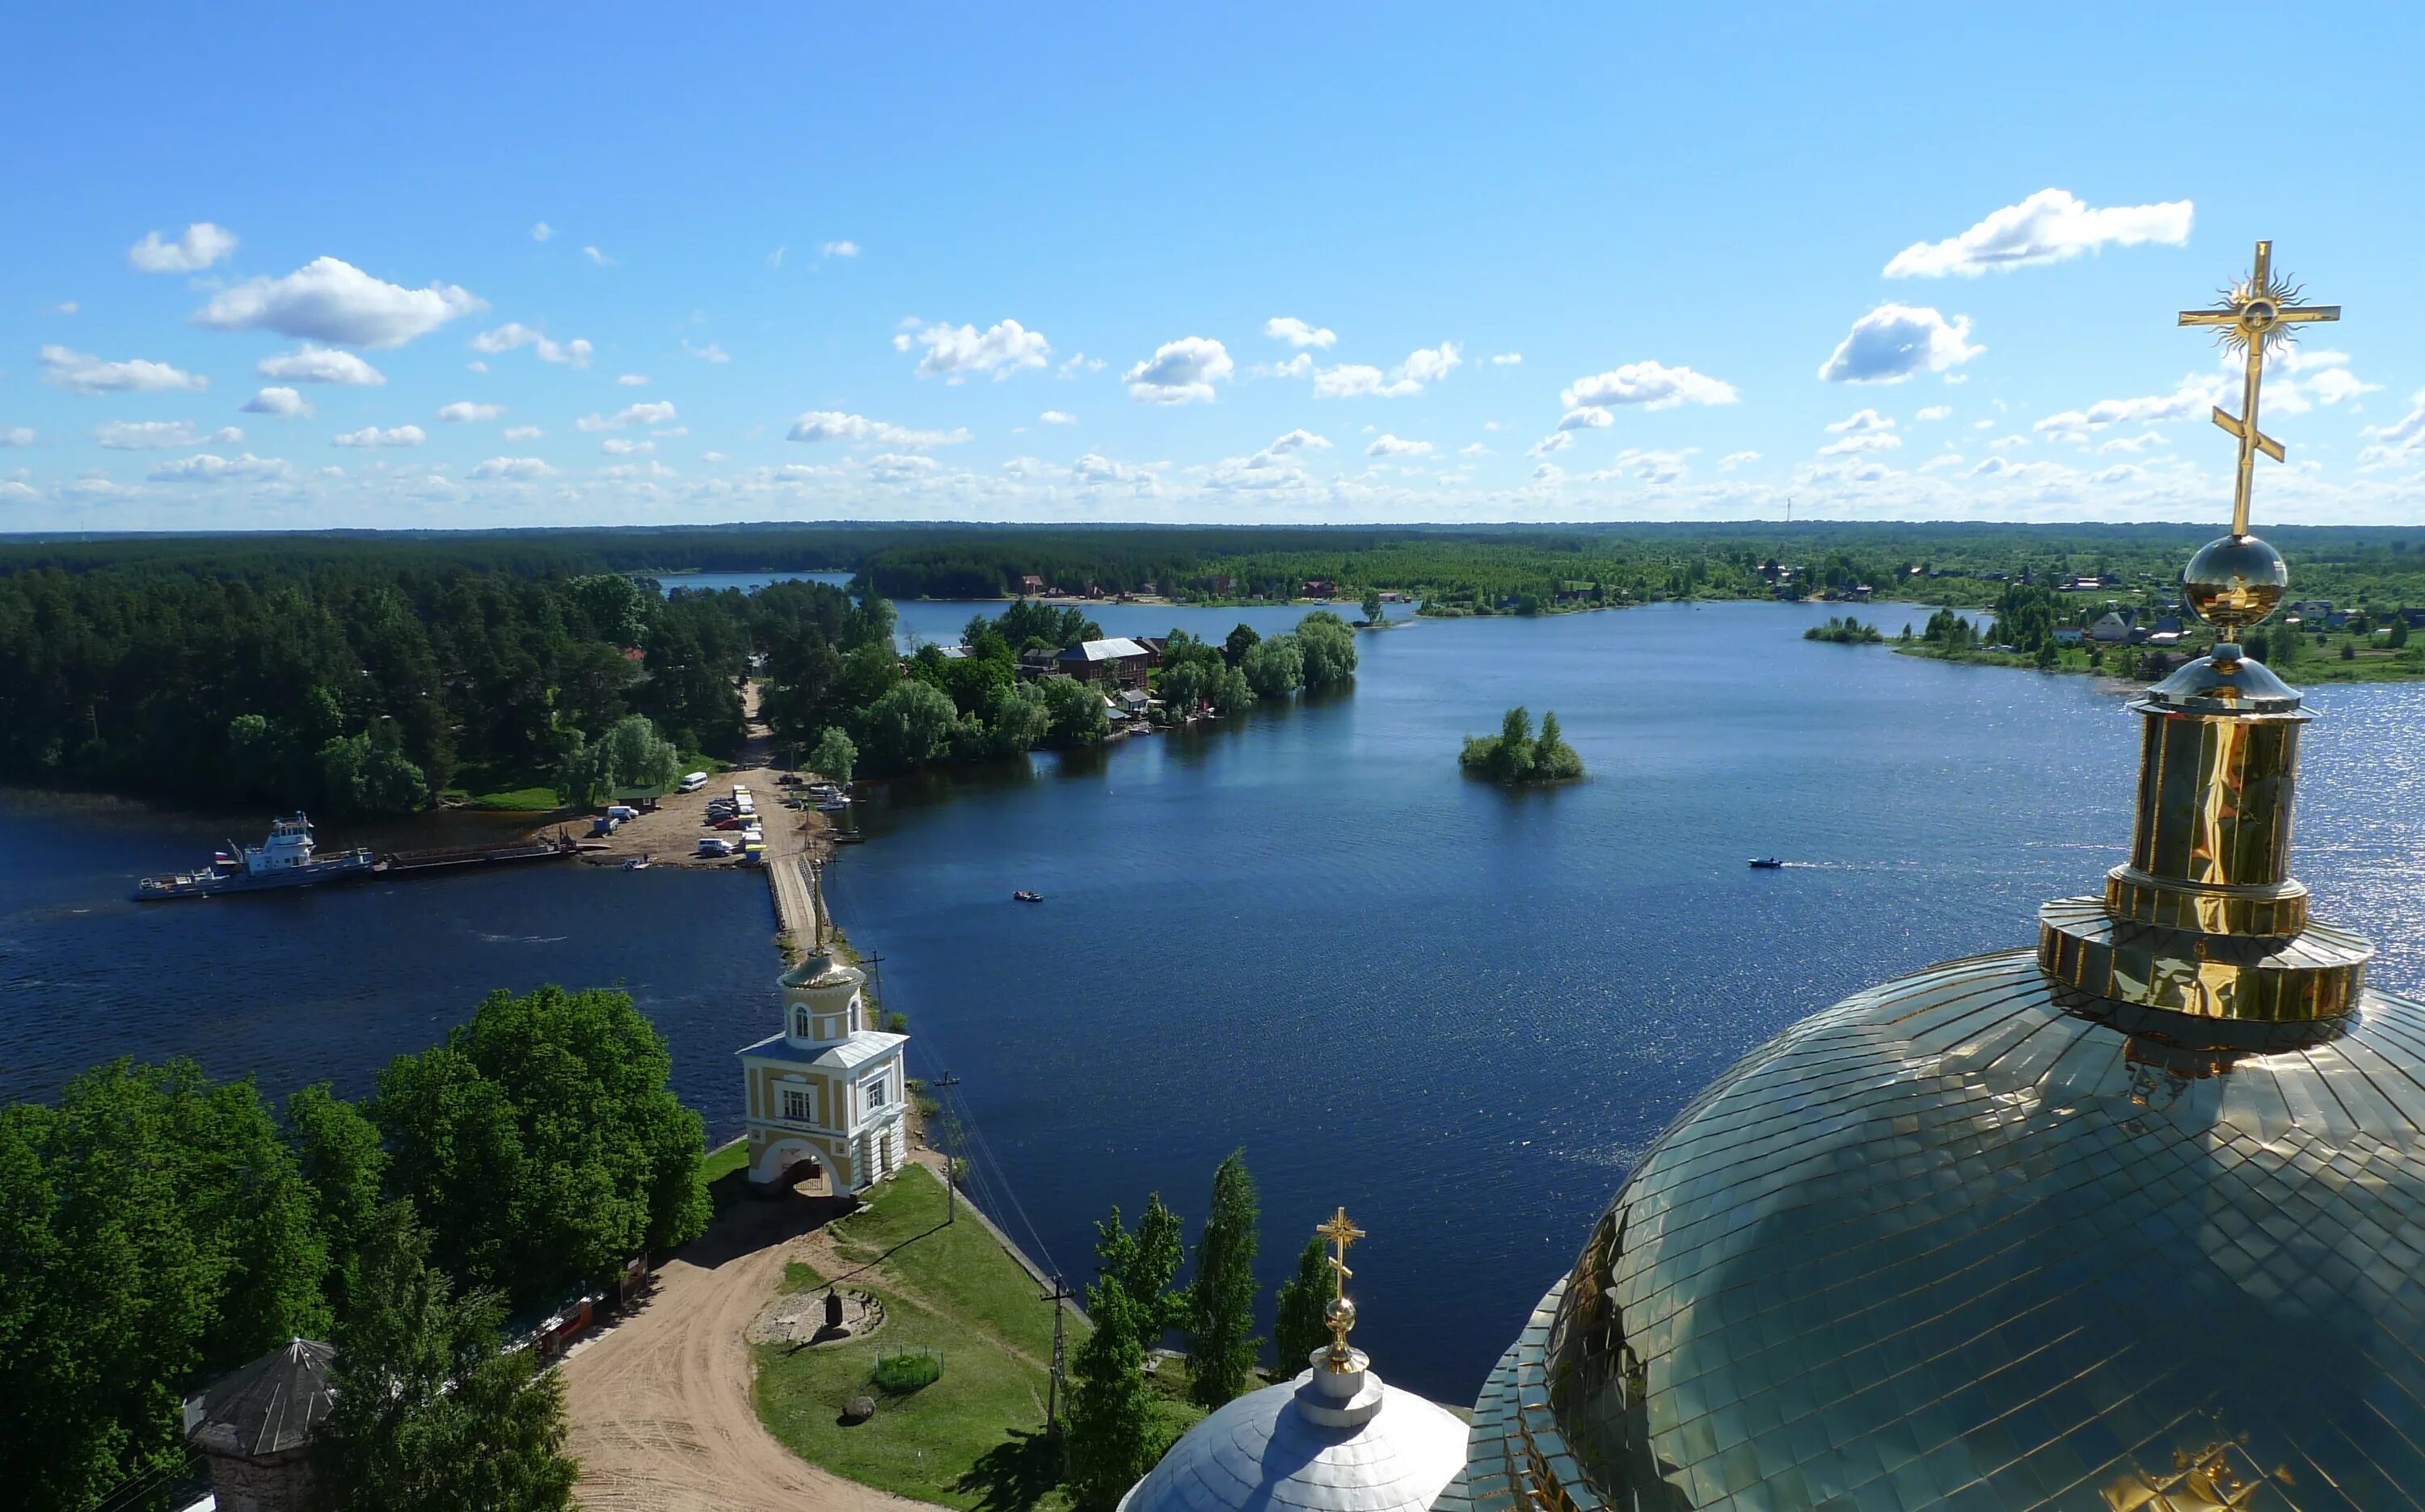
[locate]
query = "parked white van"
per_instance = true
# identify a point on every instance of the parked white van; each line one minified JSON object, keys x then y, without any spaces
{"x":693,"y":782}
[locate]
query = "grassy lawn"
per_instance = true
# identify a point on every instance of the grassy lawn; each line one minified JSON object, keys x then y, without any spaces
{"x":972,"y":1438}
{"x":724,"y":1171}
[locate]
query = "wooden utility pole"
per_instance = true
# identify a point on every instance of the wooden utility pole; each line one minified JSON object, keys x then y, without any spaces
{"x":1058,"y":1296}
{"x":944,"y":1084}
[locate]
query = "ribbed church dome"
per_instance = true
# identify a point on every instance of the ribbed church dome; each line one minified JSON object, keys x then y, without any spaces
{"x":1306,"y":1446}
{"x":2133,"y":1222}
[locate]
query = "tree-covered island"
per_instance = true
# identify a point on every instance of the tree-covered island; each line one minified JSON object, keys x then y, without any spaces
{"x":1517,"y":757}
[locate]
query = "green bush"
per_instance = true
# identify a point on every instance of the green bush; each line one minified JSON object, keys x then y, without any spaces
{"x":906,"y":1372}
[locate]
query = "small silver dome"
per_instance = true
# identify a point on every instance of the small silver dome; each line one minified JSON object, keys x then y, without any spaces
{"x":1327,"y":1442}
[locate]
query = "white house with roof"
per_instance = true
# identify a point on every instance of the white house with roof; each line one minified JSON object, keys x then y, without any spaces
{"x":829,"y":1089}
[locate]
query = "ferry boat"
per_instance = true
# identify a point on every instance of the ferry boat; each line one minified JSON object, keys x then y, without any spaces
{"x":287,"y":858}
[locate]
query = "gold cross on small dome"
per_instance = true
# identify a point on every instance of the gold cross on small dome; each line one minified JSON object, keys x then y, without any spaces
{"x":2253,"y":316}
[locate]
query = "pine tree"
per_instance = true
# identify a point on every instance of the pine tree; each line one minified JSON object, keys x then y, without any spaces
{"x":1299,"y":1331}
{"x":1220,"y":1346}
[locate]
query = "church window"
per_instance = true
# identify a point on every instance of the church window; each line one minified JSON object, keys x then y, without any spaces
{"x":800,"y":1023}
{"x":799,"y":1104}
{"x":873,"y":1091}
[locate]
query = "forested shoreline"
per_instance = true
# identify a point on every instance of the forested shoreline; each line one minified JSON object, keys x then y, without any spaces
{"x":362,"y":674}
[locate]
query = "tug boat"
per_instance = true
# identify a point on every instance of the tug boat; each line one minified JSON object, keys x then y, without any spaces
{"x":287,"y":858}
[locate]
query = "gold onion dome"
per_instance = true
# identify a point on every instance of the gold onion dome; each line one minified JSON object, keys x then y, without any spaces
{"x":2135,"y":1220}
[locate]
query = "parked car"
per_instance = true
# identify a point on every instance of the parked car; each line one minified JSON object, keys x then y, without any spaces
{"x":731,"y":821}
{"x":710,"y":845}
{"x":693,"y":782}
{"x":622,"y":812}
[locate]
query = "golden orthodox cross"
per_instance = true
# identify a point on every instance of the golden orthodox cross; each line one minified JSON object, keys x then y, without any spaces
{"x":2255,"y":315}
{"x":1341,"y":1232}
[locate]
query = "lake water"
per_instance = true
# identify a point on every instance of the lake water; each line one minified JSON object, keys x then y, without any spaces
{"x":1460,"y":1013}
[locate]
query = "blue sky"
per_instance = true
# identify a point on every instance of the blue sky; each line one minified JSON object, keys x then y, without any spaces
{"x":1223,"y":263}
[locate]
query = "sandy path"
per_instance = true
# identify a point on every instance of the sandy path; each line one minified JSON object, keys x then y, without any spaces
{"x":661,"y":1404}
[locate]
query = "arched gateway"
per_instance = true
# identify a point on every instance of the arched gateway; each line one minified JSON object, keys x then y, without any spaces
{"x":828,"y":1089}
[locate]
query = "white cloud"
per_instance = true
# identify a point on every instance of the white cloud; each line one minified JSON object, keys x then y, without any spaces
{"x":1551,"y":444}
{"x":2048,"y":227}
{"x":895,"y":467}
{"x":671,"y":431}
{"x":1181,"y":372}
{"x":619,"y":446}
{"x":1097,"y":470}
{"x":1550,"y":475}
{"x":714,"y":456}
{"x":1941,"y":461}
{"x":328,"y":300}
{"x":1387,"y":445}
{"x":774,"y":258}
{"x":1475,"y":449}
{"x":80,"y":373}
{"x":2139,"y":442}
{"x":284,"y":402}
{"x":475,"y":365}
{"x":521,"y":469}
{"x":1651,"y":385}
{"x":647,"y":412}
{"x":541,"y":232}
{"x":373,"y":435}
{"x":2005,"y":443}
{"x":2401,"y":440}
{"x":1055,"y":416}
{"x":632,"y":380}
{"x":205,"y":467}
{"x":840,"y":249}
{"x":1507,"y":359}
{"x":1859,"y":441}
{"x":710,"y":353}
{"x":524,"y":433}
{"x":2333,"y":385}
{"x":834,"y":425}
{"x":1297,"y":443}
{"x":1859,"y":421}
{"x":202,"y":244}
{"x":1351,"y":380}
{"x":598,"y":257}
{"x":953,"y":352}
{"x":160,"y":434}
{"x":1298,"y":334}
{"x":65,"y":307}
{"x":2122,"y":473}
{"x":21,"y":493}
{"x":1990,"y":467}
{"x":1735,"y":460}
{"x":2197,"y":393}
{"x":623,"y":471}
{"x":1894,"y":341}
{"x":465,"y":409}
{"x":514,"y":335}
{"x":1586,"y":418}
{"x":319,"y":364}
{"x":1079,"y":362}
{"x":1929,"y":412}
{"x":16,"y":436}
{"x":1644,"y":466}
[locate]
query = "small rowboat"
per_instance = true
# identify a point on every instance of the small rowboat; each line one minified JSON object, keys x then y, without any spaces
{"x":1025,"y":897}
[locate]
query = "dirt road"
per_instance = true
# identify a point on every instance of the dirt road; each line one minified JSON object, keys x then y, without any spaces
{"x":660,"y":1405}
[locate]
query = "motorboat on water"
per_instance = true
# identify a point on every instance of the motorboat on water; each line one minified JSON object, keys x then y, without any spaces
{"x":288,"y":857}
{"x":1766,"y":864}
{"x":1025,"y":897}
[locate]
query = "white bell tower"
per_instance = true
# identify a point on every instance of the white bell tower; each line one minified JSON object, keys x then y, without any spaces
{"x":829,"y":1087}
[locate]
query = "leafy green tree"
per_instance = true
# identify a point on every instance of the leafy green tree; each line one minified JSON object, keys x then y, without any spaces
{"x":911,"y":726}
{"x":339,"y":1156}
{"x":370,"y":774}
{"x":1016,"y":721}
{"x":1298,"y":1330}
{"x":835,"y":756}
{"x":154,"y":1230}
{"x":1221,"y":1342}
{"x":1116,"y":1434}
{"x":1372,"y":606}
{"x":1326,"y":648}
{"x":542,"y":1143}
{"x":614,"y":606}
{"x":1553,"y":759}
{"x":431,"y":1415}
{"x":1076,"y":709}
{"x":635,"y":754}
{"x":2398,"y":639}
{"x":1275,"y":667}
{"x":1241,"y":640}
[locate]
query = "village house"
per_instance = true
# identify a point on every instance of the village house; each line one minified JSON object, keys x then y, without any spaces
{"x":1318,"y":588}
{"x":1030,"y":585}
{"x":2111,"y":628}
{"x":1117,"y":659}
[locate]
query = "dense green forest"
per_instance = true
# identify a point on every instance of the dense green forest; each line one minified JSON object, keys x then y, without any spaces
{"x":158,"y":1228}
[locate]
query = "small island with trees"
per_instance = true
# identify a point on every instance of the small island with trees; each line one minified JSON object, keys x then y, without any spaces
{"x":1843,"y":629}
{"x":1516,"y":758}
